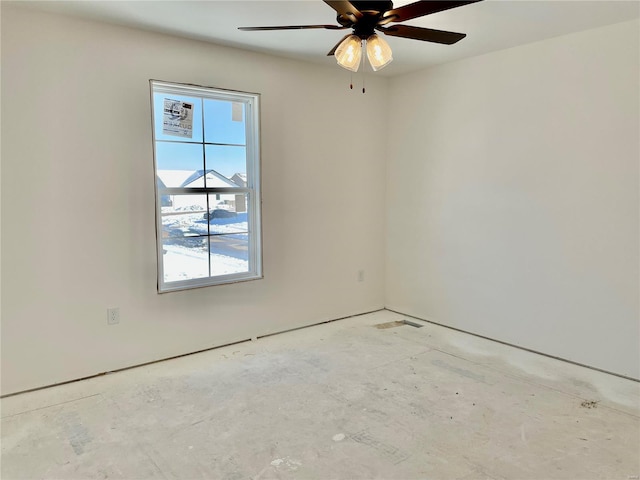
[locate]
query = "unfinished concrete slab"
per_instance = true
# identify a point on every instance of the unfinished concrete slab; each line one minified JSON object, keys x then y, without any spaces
{"x":365,"y":397}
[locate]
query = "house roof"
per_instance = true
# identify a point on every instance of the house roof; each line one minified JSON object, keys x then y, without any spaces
{"x":240,"y":179}
{"x":191,"y":178}
{"x":213,"y":179}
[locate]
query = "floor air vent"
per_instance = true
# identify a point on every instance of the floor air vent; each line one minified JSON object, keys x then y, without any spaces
{"x":383,"y":326}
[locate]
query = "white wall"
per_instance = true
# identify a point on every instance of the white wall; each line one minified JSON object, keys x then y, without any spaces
{"x":512,"y":207}
{"x":78,"y":201}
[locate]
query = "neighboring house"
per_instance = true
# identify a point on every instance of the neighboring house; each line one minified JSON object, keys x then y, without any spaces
{"x":213,"y":179}
{"x":196,"y":179}
{"x":239,"y":179}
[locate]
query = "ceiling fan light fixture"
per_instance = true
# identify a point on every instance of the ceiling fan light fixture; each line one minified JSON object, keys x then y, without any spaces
{"x":364,"y":17}
{"x":378,"y":52}
{"x":349,"y":53}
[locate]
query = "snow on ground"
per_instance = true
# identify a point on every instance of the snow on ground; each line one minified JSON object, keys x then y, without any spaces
{"x":196,"y":223}
{"x":182,"y":263}
{"x":185,"y":257}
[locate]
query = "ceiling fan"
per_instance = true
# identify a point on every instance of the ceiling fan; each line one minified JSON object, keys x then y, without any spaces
{"x":366,"y":16}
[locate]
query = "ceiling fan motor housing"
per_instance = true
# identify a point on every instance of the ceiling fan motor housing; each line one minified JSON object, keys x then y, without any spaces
{"x":372,"y":14}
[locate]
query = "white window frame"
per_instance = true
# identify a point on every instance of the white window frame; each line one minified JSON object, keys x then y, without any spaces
{"x":251,"y":102}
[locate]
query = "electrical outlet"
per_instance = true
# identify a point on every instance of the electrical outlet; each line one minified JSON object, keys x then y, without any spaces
{"x":113,"y":316}
{"x":361,"y":275}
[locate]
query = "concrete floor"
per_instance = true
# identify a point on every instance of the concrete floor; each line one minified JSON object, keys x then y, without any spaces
{"x":341,"y":400}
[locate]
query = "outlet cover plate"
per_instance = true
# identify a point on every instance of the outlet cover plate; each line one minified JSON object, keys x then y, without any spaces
{"x":113,"y":316}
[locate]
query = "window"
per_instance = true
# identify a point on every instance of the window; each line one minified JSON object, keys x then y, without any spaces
{"x":206,"y":158}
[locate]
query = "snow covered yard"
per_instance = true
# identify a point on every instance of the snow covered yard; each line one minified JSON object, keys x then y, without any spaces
{"x":195,"y":248}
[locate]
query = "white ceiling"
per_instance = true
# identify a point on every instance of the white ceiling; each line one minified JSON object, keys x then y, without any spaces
{"x":490,"y":25}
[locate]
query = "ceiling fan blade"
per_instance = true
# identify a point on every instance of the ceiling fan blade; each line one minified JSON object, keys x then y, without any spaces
{"x":344,"y":7}
{"x":426,"y":34}
{"x":420,"y":9}
{"x":294,"y":27}
{"x":333,"y":50}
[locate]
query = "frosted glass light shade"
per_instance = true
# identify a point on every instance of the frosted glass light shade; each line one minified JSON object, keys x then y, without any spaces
{"x":349,"y":53}
{"x":378,"y":52}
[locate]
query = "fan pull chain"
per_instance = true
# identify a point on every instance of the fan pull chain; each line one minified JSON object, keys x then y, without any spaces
{"x":351,"y":81}
{"x":363,"y":64}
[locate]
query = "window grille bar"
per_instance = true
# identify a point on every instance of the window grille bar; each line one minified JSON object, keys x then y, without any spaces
{"x":215,"y":144}
{"x":196,"y":235}
{"x":202,"y":190}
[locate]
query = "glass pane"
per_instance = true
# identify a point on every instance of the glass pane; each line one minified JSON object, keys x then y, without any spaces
{"x":193,"y":204}
{"x":224,"y":122}
{"x":177,"y":112}
{"x":227,"y":213}
{"x":179,"y":164}
{"x":184,"y":258}
{"x":184,"y":238}
{"x":227,"y":161}
{"x":183,"y":225}
{"x":229,"y":254}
